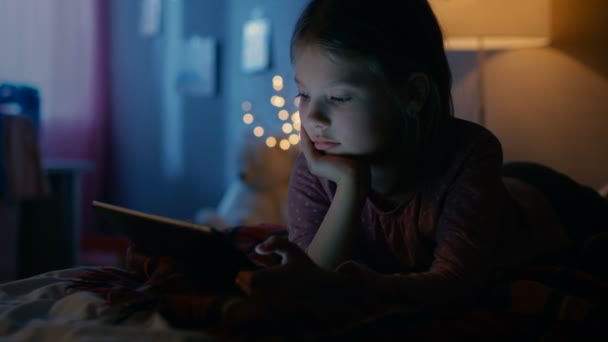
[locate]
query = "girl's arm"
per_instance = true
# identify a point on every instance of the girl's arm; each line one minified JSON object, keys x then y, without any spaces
{"x":333,"y":238}
{"x":332,"y":244}
{"x":468,"y":235}
{"x":468,"y":231}
{"x":467,"y":242}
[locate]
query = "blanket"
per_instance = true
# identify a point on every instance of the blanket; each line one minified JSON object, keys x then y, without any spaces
{"x":42,"y":309}
{"x":532,"y":303}
{"x":185,"y":297}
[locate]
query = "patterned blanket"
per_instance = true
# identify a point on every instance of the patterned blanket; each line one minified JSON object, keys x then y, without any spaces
{"x":184,"y":296}
{"x":532,"y":303}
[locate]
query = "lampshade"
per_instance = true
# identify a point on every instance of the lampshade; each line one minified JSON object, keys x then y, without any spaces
{"x":493,"y":24}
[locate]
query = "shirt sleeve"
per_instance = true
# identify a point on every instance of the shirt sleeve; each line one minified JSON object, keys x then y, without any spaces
{"x":308,"y":202}
{"x":467,"y":232}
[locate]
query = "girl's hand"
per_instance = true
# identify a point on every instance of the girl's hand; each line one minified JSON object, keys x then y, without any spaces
{"x":338,"y":168}
{"x":295,"y":274}
{"x":333,"y":242}
{"x":295,"y":294}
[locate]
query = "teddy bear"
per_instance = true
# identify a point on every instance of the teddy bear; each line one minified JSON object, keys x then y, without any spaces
{"x":258,"y":194}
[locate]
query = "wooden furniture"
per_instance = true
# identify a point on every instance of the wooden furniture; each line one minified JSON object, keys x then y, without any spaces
{"x":49,"y":229}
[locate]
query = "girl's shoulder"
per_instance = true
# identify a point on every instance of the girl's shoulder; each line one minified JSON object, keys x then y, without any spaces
{"x":460,"y":137}
{"x":467,"y":131}
{"x":461,"y":145}
{"x":464,"y":139}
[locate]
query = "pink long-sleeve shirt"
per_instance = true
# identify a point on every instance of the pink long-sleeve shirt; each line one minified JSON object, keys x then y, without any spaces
{"x":462,"y":223}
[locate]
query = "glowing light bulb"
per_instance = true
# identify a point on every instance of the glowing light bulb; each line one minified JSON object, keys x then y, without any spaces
{"x":277,"y":83}
{"x":248,"y":118}
{"x":291,"y":125}
{"x":283,"y":114}
{"x":295,"y":117}
{"x":277,"y":101}
{"x":284,"y":144}
{"x":287,"y":128}
{"x":271,"y":142}
{"x":258,"y":131}
{"x":246,"y":106}
{"x":294,"y":139}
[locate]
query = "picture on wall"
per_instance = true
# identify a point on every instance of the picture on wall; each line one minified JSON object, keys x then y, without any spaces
{"x":197,"y":74}
{"x":256,"y":45}
{"x":150,"y":17}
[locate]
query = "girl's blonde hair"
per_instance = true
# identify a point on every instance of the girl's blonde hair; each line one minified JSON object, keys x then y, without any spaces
{"x":394,"y":38}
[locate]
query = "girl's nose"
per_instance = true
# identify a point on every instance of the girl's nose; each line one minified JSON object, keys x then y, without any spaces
{"x":316,"y":117}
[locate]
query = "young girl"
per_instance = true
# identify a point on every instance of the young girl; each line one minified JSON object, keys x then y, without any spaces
{"x":406,"y":200}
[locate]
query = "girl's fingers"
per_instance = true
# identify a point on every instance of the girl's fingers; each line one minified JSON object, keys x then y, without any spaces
{"x":294,"y":262}
{"x":305,"y":143}
{"x":316,"y":160}
{"x":331,"y":166}
{"x":247,"y":281}
{"x":288,"y":251}
{"x":307,"y":147}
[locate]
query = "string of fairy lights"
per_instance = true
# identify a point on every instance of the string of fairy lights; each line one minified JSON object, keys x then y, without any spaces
{"x":290,"y":122}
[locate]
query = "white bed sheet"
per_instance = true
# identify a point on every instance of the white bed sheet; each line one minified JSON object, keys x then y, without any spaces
{"x":37,"y":309}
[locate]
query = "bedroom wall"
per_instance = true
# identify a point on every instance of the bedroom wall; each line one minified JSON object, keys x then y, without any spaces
{"x":549,"y":104}
{"x":212,"y":127}
{"x":256,"y":88}
{"x":141,"y":177}
{"x":546,"y":105}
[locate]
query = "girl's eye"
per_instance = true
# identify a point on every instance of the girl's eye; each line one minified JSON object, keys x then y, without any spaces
{"x":302,"y":96}
{"x":340,"y":99}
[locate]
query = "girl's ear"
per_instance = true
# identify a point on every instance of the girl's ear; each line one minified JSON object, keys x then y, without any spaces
{"x":417,"y":90}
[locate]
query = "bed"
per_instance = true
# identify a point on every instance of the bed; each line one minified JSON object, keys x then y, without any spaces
{"x":38,"y":309}
{"x":77,"y":304}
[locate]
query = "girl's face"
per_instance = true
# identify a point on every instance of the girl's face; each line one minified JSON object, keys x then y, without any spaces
{"x":345,"y":109}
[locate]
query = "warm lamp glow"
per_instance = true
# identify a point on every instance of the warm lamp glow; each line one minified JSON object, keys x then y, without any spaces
{"x":481,"y":25}
{"x":493,"y":24}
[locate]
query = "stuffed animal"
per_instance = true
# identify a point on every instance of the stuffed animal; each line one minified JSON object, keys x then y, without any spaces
{"x":259,"y":192}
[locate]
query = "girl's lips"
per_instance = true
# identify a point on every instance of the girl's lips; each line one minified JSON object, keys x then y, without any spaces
{"x":325,"y":145}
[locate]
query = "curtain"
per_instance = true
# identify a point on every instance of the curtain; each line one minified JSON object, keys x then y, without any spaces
{"x":59,"y":47}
